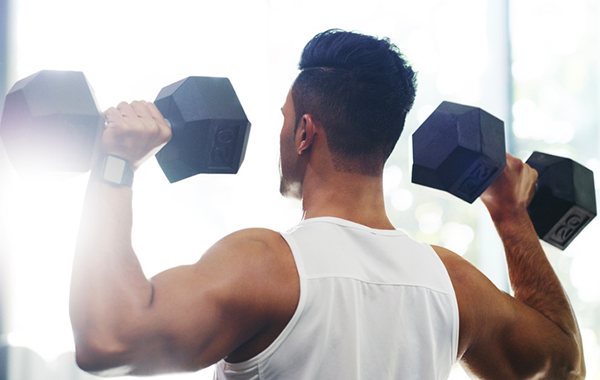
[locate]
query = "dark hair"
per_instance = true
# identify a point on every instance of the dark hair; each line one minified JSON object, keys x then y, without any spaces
{"x":359,"y":88}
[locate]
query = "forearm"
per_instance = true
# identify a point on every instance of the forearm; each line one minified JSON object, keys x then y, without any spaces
{"x":534,"y":281}
{"x":108,"y":286}
{"x":532,"y":277}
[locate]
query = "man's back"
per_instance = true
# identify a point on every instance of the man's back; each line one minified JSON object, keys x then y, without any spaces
{"x":374,"y":304}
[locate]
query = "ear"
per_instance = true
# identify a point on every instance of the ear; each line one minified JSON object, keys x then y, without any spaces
{"x":305,"y":133}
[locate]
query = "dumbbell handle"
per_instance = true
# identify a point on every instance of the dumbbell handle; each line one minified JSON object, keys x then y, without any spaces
{"x":166,"y":120}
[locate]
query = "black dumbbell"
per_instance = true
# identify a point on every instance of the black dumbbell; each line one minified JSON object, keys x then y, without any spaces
{"x":51,"y":122}
{"x":460,"y":149}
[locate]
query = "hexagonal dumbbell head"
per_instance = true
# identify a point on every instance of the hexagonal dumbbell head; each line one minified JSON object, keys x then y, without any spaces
{"x":459,"y":149}
{"x":565,"y":198}
{"x":210,"y":128}
{"x":51,"y":122}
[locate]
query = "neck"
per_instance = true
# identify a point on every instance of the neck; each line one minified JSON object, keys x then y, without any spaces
{"x":354,"y":197}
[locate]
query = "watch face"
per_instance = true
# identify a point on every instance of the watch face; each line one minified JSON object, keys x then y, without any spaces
{"x":115,"y":170}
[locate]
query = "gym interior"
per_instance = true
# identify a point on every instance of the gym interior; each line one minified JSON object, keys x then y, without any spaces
{"x":533,"y":64}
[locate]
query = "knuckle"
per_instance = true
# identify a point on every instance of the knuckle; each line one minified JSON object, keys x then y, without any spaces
{"x":535,"y":174}
{"x":122,"y":105}
{"x":136,"y":104}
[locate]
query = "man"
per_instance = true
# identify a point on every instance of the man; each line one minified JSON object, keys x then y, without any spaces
{"x":343,"y":295}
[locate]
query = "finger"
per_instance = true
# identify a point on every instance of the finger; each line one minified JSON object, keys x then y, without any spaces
{"x":532,"y":173}
{"x":155,"y":113}
{"x":127,"y":111}
{"x":165,"y":126}
{"x":149,"y":121}
{"x":512,"y":160}
{"x":532,"y":191}
{"x":140,"y":109}
{"x":531,"y":176}
{"x":113,"y":117}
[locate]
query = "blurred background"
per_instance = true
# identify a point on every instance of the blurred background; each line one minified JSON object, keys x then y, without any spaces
{"x":534,"y":64}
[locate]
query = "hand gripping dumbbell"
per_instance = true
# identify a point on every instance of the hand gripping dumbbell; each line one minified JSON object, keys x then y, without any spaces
{"x":460,"y":149}
{"x":51,"y":122}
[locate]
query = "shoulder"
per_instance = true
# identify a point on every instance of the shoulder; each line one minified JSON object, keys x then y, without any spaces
{"x":255,"y":258}
{"x":271,"y":239}
{"x":480,"y":303}
{"x":260,"y":284}
{"x":461,"y":271}
{"x":251,"y":244}
{"x":466,"y":278}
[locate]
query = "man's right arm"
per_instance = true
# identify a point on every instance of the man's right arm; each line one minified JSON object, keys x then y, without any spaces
{"x":233,"y":302}
{"x":533,"y":334}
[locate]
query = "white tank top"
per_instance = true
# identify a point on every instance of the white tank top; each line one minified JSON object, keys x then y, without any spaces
{"x":374,"y":305}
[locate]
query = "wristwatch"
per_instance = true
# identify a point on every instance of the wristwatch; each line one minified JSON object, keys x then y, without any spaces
{"x":116,"y":171}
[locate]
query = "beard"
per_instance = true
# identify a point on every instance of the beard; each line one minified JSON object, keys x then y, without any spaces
{"x":288,"y":187}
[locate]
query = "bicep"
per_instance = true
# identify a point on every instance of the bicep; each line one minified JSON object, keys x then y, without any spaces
{"x":500,"y":337}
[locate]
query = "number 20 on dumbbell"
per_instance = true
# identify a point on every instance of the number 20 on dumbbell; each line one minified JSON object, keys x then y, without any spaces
{"x":51,"y":122}
{"x":460,"y":149}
